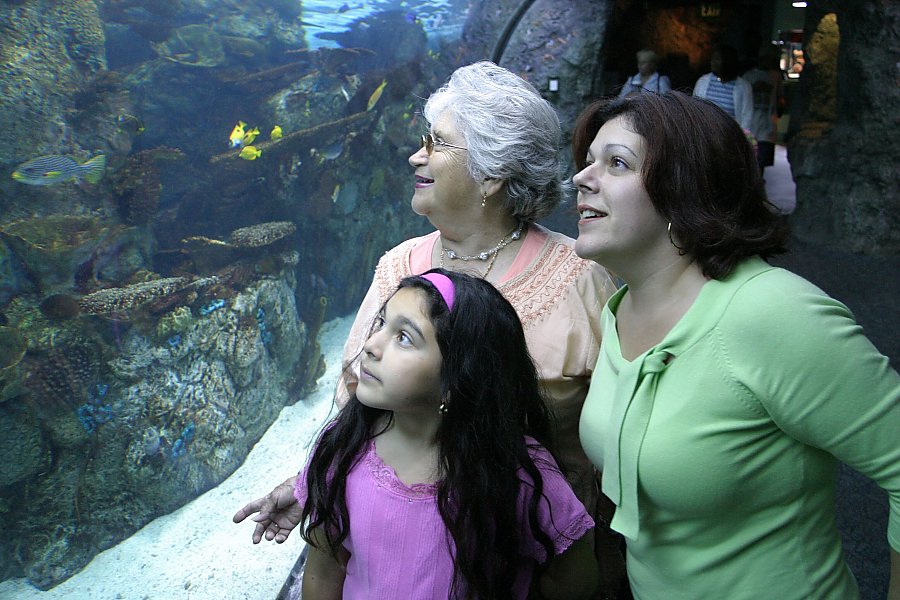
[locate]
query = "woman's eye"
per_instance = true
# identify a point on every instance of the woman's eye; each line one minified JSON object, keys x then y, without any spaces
{"x":378,"y":323}
{"x":404,"y":339}
{"x":618,"y":163}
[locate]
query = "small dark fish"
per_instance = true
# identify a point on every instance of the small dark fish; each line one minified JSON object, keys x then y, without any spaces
{"x":55,"y":168}
{"x":130,"y":122}
{"x":60,"y":307}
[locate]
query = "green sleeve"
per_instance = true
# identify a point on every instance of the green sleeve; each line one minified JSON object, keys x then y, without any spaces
{"x":807,"y":361}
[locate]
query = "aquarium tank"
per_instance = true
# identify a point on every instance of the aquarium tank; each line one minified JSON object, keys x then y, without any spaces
{"x":191,"y":193}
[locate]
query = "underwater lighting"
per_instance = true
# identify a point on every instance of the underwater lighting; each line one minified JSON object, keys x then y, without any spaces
{"x":799,"y":4}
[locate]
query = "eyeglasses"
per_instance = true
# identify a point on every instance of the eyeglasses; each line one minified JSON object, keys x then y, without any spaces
{"x":429,"y":142}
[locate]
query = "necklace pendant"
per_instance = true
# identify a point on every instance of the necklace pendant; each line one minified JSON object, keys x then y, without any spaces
{"x":451,"y":254}
{"x":483,"y":256}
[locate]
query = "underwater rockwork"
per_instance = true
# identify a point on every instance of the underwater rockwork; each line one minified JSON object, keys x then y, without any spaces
{"x":121,"y":421}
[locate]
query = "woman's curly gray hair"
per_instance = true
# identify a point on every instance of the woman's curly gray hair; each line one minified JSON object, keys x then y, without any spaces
{"x":510,"y":132}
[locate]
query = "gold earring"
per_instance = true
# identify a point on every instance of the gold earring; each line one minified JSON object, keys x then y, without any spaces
{"x":483,"y":199}
{"x":681,"y":251}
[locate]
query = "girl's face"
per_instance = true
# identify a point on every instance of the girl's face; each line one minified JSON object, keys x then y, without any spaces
{"x":443,"y":183}
{"x":618,"y":219}
{"x":401,"y":362}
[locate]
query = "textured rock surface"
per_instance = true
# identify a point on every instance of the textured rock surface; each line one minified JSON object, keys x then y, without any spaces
{"x":548,"y":43}
{"x":172,"y":414}
{"x":844,"y":146}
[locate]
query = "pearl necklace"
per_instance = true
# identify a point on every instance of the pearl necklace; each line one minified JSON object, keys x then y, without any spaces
{"x":503,"y":243}
{"x":491,"y":254}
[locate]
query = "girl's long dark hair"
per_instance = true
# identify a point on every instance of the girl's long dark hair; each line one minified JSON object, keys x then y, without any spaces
{"x":493,"y":401}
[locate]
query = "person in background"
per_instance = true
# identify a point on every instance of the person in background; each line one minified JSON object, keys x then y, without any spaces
{"x":765,"y":80}
{"x":434,"y":481}
{"x":487,"y":170}
{"x":647,"y":79}
{"x":724,"y":87}
{"x":727,"y":390}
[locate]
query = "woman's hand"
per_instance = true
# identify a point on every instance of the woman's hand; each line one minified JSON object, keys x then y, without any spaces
{"x":279,"y":512}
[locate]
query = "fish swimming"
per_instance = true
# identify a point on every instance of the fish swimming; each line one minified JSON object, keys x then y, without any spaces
{"x":236,"y":139}
{"x":250,"y":153}
{"x":276,"y":133}
{"x":376,"y":95}
{"x":250,"y":135}
{"x":130,"y":122}
{"x":55,"y":168}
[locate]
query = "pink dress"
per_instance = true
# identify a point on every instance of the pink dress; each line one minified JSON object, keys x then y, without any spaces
{"x":559,"y":298}
{"x":398,"y":541}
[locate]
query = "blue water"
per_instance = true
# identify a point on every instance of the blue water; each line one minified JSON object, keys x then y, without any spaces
{"x":441,"y":19}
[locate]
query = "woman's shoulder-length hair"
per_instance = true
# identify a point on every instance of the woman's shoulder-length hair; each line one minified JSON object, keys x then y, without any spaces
{"x":701,"y":175}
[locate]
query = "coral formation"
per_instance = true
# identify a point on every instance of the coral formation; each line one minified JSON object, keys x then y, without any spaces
{"x":51,"y":247}
{"x":137,"y":185}
{"x":174,"y":323}
{"x":12,"y":350}
{"x":57,"y":380}
{"x":193,"y":45}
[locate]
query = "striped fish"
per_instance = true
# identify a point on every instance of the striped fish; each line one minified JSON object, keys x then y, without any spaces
{"x":55,"y":168}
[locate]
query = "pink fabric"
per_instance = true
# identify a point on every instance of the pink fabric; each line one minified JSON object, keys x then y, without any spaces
{"x":557,"y":295}
{"x":420,"y":255}
{"x":398,"y":545}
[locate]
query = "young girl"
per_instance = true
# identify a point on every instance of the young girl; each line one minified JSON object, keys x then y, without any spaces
{"x":433,"y":481}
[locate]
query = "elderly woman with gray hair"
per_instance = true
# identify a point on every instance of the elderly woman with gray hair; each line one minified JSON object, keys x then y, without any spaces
{"x":487,"y":169}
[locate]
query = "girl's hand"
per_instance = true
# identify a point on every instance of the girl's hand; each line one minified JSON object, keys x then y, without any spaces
{"x":279,"y":512}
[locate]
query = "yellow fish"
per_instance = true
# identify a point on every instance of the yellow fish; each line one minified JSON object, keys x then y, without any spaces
{"x":250,"y":153}
{"x":336,"y":193}
{"x":376,"y":95}
{"x":250,"y":136}
{"x":236,"y":139}
{"x":276,"y":133}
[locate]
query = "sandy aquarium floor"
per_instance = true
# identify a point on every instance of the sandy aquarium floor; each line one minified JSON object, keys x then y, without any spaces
{"x":196,"y":552}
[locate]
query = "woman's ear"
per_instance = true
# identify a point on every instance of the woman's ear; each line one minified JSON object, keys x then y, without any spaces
{"x":491,"y":186}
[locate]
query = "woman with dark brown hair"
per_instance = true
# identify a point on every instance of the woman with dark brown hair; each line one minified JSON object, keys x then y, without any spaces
{"x":726,"y":390}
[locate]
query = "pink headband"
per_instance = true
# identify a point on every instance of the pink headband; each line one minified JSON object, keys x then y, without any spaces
{"x":444,"y":286}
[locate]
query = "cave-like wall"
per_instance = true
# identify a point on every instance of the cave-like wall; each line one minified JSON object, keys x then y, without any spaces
{"x":843,"y":143}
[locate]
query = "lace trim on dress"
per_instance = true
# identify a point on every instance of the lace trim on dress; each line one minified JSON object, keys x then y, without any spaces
{"x":533,"y":293}
{"x":574,"y":532}
{"x":387,"y":477}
